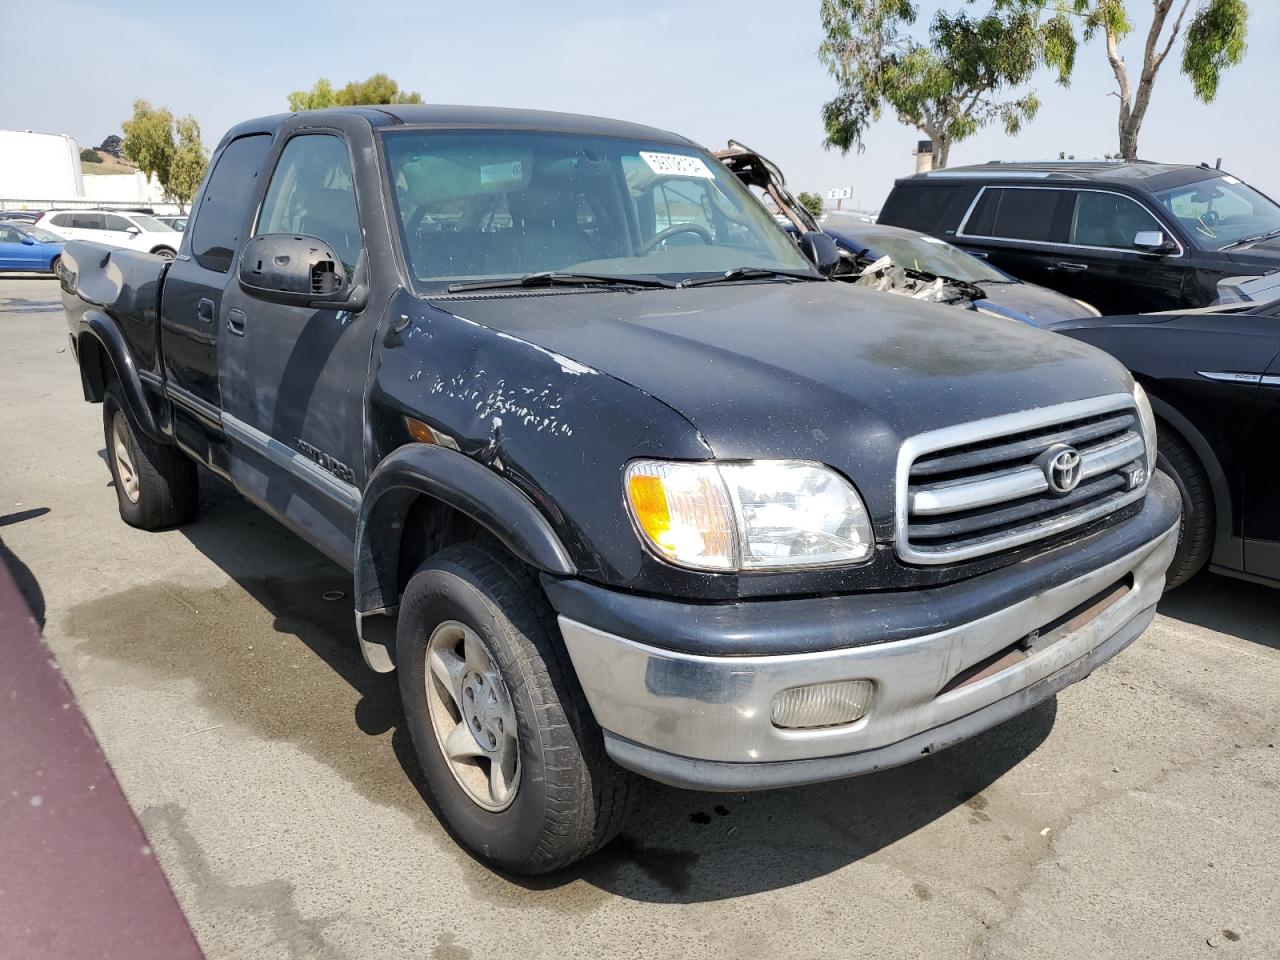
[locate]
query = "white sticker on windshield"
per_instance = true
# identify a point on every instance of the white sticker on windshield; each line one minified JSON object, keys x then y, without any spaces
{"x":1230,"y":179}
{"x":498,"y":173}
{"x":676,"y":165}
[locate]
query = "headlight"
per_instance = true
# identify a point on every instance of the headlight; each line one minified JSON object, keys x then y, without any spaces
{"x":1089,"y":308}
{"x":754,"y":515}
{"x":1148,"y":423}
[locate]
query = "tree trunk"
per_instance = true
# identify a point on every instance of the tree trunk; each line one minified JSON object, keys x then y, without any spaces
{"x":941,"y":152}
{"x":1133,"y":104}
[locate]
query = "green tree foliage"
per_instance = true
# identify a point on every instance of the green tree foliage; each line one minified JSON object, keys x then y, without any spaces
{"x":90,"y":156}
{"x":111,"y":145}
{"x":186,"y":170}
{"x":1214,"y":40}
{"x":964,"y":75}
{"x":811,"y":202}
{"x":379,"y":88}
{"x":176,"y":160}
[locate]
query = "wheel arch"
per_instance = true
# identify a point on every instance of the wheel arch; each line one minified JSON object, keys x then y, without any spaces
{"x":103,"y":355}
{"x":433,"y":484}
{"x":1226,"y":548}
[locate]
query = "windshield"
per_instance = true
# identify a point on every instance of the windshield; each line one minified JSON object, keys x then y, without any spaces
{"x":39,"y":234}
{"x":148,"y":223}
{"x":1221,"y":212}
{"x":484,"y":204}
{"x":918,"y":252}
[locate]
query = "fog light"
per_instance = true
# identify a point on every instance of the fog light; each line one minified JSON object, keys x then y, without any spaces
{"x":821,"y":704}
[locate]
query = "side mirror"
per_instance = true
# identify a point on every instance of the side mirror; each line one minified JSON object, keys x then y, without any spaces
{"x":132,"y":231}
{"x":1153,"y":241}
{"x":287,"y":268}
{"x":821,"y":251}
{"x":27,"y":241}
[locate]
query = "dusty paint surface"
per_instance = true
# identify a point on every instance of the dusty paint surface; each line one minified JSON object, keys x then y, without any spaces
{"x":1133,"y":818}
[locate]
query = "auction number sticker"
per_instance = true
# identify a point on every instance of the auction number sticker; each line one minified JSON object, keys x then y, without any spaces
{"x":676,"y":165}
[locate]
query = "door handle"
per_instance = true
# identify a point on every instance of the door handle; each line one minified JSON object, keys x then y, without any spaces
{"x":204,"y":310}
{"x":1063,"y":266}
{"x":235,"y":322}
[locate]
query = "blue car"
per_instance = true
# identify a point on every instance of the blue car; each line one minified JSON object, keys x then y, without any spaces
{"x":27,"y":248}
{"x":988,"y":289}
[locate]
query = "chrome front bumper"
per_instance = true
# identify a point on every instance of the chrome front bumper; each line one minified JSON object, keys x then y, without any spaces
{"x":704,"y":721}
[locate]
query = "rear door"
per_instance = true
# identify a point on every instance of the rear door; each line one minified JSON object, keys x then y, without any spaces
{"x":293,"y":377}
{"x":1017,"y":228}
{"x":191,"y":302}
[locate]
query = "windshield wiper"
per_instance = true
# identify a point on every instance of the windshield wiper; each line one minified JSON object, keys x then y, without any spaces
{"x":552,"y":278}
{"x":748,"y":273}
{"x":1258,"y":239}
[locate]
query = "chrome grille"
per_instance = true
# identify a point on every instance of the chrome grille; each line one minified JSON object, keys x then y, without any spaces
{"x":981,"y":487}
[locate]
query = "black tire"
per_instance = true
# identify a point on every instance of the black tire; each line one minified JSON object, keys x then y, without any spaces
{"x":165,"y":480}
{"x":54,"y":264}
{"x":1195,"y":532}
{"x":165,"y":252}
{"x":570,"y":798}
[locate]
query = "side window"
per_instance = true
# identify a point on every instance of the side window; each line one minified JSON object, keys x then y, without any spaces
{"x":1108,"y":220}
{"x":117,"y":223}
{"x":220,"y":224}
{"x":61,"y":220}
{"x":9,"y":235}
{"x":87,"y":221}
{"x":1016,"y":214}
{"x":311,"y":193}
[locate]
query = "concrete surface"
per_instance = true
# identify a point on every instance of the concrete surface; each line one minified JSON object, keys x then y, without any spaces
{"x":1135,"y":817}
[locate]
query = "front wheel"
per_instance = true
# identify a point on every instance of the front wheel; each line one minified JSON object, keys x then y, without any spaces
{"x":165,"y":253}
{"x":513,"y":758}
{"x":1195,"y":532}
{"x":54,"y":264}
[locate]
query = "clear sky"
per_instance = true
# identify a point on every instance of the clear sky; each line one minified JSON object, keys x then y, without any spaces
{"x":709,"y":69}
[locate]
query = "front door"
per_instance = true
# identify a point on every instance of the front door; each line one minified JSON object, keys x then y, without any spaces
{"x":11,"y":249}
{"x":1261,"y":464}
{"x":1098,"y":261}
{"x":292,"y":377}
{"x":193,"y":290}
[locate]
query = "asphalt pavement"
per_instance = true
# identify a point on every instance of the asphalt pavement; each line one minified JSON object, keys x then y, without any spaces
{"x":1135,"y":816}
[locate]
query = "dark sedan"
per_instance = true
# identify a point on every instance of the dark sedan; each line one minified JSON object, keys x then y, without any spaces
{"x":1213,"y":376}
{"x":1003,"y":295}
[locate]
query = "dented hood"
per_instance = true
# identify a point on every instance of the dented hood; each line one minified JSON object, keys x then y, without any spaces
{"x":819,"y":371}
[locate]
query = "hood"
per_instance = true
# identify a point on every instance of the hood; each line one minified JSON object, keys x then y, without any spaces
{"x":1265,"y":253}
{"x":1034,"y":304}
{"x":816,"y":371}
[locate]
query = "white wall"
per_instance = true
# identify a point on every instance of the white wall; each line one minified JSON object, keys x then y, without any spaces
{"x":125,"y":188}
{"x":39,"y":165}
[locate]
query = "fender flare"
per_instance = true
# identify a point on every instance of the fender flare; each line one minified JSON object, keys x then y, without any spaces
{"x":1227,"y":550}
{"x":423,"y":469}
{"x":111,"y":342}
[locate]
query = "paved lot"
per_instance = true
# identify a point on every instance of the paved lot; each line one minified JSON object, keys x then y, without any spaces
{"x":1135,"y":817}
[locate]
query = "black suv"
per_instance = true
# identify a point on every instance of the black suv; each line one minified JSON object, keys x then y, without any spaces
{"x":1127,"y":237}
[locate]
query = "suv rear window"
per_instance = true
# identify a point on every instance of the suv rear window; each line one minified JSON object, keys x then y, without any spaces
{"x":935,"y":208}
{"x":220,"y":225}
{"x":1018,"y":213}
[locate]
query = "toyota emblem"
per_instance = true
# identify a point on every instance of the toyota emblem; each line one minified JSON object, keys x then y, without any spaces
{"x":1062,"y":468}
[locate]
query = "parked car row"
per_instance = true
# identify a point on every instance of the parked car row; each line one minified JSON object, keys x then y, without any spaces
{"x":133,"y":231}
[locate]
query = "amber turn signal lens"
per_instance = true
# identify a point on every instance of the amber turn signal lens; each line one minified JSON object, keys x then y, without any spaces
{"x":419,"y":430}
{"x":683,"y":510}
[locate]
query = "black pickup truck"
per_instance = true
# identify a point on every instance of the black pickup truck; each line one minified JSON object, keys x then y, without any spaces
{"x":625,"y":483}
